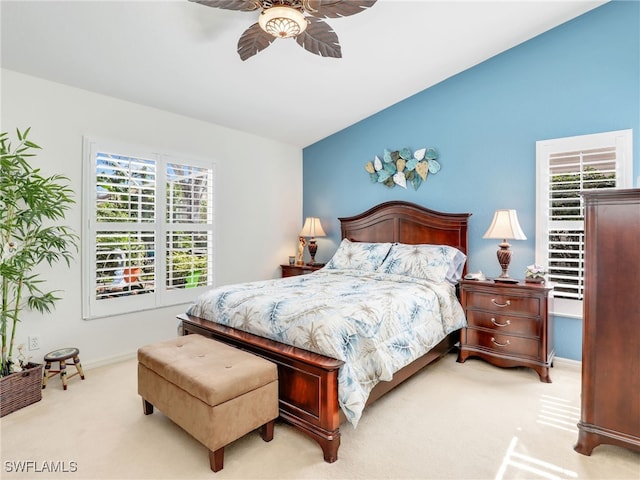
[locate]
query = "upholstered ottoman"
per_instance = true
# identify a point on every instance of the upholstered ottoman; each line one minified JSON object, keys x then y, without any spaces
{"x":217,"y":393}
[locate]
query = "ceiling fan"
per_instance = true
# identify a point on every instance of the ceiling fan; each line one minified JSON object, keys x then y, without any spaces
{"x":299,"y":19}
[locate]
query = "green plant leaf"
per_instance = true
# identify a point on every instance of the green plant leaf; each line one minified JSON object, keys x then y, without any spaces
{"x":33,"y":207}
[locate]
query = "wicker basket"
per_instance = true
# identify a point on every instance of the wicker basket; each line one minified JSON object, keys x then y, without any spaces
{"x":20,"y":389}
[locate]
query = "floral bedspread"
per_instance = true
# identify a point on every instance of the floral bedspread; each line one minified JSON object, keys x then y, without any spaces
{"x":376,"y":323}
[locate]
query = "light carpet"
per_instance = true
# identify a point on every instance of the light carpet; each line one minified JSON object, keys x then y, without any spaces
{"x":450,"y":421}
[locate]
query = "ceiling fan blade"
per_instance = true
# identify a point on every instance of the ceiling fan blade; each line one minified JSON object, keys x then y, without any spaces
{"x":243,"y":5}
{"x":253,"y":40}
{"x":336,"y":8}
{"x":320,"y":39}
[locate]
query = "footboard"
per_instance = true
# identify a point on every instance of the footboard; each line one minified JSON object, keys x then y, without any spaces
{"x":308,"y":382}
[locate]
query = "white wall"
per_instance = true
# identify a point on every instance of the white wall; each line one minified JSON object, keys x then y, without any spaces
{"x":258,"y":202}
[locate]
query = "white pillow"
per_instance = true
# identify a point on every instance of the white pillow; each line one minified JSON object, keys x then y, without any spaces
{"x":436,"y":263}
{"x":362,"y":256}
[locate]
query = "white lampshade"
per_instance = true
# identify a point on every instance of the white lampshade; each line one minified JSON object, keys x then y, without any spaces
{"x":505,"y":226}
{"x":312,"y":228}
{"x":282,"y":22}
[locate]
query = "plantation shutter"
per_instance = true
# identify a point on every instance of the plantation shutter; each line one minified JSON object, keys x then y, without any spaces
{"x":189,"y":219}
{"x":569,"y":173}
{"x":149,"y":238}
{"x":125,"y":231}
{"x":566,"y":167}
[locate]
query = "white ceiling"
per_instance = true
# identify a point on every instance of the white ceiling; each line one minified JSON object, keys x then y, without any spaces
{"x":181,"y":57}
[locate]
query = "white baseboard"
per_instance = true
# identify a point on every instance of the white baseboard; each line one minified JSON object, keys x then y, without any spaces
{"x":568,"y":362}
{"x":121,"y":357}
{"x":109,"y":360}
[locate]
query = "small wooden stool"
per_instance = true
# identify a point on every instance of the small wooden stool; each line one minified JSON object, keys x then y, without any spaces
{"x":61,"y":356}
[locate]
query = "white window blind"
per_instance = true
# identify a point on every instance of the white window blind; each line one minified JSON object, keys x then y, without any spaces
{"x":188,"y":239}
{"x":565,"y":168}
{"x":149,"y":219}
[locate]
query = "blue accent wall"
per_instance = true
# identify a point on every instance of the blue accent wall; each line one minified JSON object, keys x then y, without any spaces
{"x":582,"y":77}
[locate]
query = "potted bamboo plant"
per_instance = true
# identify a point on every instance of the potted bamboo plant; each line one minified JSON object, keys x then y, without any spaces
{"x":31,"y":209}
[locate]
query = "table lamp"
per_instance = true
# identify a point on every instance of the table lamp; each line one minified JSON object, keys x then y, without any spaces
{"x":505,"y":226}
{"x":312,"y":228}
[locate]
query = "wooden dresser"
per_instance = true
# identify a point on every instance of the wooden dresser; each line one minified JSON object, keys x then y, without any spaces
{"x":508,"y":325}
{"x":611,"y":324}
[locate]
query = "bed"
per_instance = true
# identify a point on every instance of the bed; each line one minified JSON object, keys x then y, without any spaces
{"x":309,"y":381}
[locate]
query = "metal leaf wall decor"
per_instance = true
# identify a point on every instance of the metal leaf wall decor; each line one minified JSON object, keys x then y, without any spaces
{"x":401,"y":167}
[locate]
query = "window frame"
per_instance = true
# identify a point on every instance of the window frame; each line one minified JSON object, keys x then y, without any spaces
{"x":622,"y":140}
{"x":161,"y":226}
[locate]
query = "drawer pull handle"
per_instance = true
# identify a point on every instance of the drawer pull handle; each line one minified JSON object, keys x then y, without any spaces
{"x":507,"y":323}
{"x":501,"y":305}
{"x":500,"y":344}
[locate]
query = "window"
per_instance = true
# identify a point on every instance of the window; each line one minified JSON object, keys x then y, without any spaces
{"x":566,"y":167}
{"x":149,"y":229}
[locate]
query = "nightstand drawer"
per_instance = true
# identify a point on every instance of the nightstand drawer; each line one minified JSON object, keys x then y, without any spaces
{"x":504,"y":324}
{"x":504,"y":304}
{"x":503,"y":344}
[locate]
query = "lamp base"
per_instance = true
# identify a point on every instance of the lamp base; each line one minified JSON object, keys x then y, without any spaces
{"x":313,"y":248}
{"x":504,"y":259}
{"x":505,"y":280}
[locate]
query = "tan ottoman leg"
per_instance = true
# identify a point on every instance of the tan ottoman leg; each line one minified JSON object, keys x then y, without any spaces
{"x":216,"y":459}
{"x":266,"y":431}
{"x":147,"y":407}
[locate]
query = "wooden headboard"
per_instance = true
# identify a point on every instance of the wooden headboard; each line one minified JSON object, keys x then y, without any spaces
{"x":406,"y":222}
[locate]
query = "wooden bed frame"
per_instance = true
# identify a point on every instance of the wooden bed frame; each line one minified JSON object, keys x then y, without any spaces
{"x":308,"y":382}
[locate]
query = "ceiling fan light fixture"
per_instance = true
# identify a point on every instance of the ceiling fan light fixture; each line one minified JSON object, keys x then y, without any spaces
{"x":282,"y":22}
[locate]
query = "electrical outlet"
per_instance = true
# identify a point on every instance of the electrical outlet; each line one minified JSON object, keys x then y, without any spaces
{"x":34,"y":342}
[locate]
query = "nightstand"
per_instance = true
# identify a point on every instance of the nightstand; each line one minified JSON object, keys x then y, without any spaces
{"x":508,"y":325}
{"x":293,"y":270}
